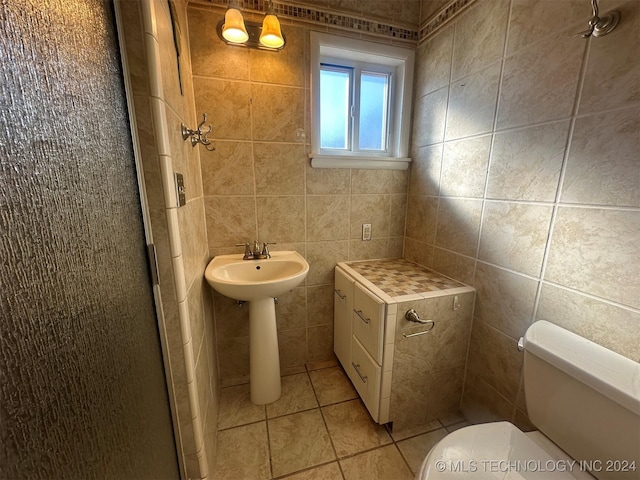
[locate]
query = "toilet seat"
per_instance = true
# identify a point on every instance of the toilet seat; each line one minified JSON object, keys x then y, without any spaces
{"x":498,"y":450}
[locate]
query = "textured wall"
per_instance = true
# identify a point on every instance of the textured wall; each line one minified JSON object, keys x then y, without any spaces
{"x":258,"y":184}
{"x":82,"y":386}
{"x":525,"y":181}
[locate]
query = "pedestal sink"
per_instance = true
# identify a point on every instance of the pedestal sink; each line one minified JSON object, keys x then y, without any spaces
{"x":258,"y":282}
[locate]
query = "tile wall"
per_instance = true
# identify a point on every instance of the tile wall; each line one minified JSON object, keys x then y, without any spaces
{"x":525,"y":181}
{"x":258,"y":184}
{"x":179,"y":234}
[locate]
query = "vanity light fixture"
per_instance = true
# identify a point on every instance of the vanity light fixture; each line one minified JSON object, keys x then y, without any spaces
{"x":234,"y":30}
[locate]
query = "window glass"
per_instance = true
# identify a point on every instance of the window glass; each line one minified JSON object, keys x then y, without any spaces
{"x":335,"y":101}
{"x":374,"y":101}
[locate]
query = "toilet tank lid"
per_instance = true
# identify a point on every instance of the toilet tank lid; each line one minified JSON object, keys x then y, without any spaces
{"x":607,"y":372}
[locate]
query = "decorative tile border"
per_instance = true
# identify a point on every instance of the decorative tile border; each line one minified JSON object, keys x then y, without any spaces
{"x":350,"y":22}
{"x":325,"y":17}
{"x":442,"y":18}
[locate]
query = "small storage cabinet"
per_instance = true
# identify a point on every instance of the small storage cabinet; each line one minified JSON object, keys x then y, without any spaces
{"x":398,"y":366}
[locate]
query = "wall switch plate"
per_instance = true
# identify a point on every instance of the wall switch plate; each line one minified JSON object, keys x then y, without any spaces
{"x":181,"y":192}
{"x":366,"y":231}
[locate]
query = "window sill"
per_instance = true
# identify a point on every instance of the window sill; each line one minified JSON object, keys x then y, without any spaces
{"x":367,"y":163}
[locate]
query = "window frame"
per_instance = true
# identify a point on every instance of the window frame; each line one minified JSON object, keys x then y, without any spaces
{"x":374,"y":58}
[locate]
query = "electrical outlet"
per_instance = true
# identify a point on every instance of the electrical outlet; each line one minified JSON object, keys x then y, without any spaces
{"x":366,"y":231}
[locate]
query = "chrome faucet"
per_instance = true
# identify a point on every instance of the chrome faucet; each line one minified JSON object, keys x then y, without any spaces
{"x":257,"y":253}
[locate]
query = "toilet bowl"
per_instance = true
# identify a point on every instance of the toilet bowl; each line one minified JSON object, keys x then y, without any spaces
{"x":585,"y":401}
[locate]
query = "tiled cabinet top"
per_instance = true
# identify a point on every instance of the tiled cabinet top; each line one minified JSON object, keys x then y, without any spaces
{"x":399,"y":280}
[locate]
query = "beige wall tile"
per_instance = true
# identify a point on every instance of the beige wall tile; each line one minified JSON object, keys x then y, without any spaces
{"x":482,"y":404}
{"x":421,"y":218}
{"x":418,"y":252}
{"x":233,"y":357}
{"x":429,"y":115}
{"x":453,"y":265}
{"x":539,"y":82}
{"x":464,"y":167}
{"x":326,"y":181}
{"x":227,"y":103}
{"x":397,"y":213}
{"x":281,"y":219}
{"x":279,"y":168}
{"x":428,"y":8}
{"x":472,"y":103}
{"x":479,"y":37}
{"x":613,"y":327}
{"x":322,"y":258}
{"x":231,"y":320}
{"x":228,"y":170}
{"x":458,"y":225}
{"x":327,"y":217}
{"x":613,"y":70}
{"x":287,"y":67}
{"x":378,"y":181}
{"x":603,"y":166}
{"x":425,"y":169}
{"x":567,"y":15}
{"x":433,"y":62}
{"x":193,"y":238}
{"x":504,"y":300}
{"x":293,"y":349}
{"x":320,"y":299}
{"x":596,"y":251}
{"x":210,"y":57}
{"x":494,"y":357}
{"x":367,"y":250}
{"x":277,"y":112}
{"x":373,"y":209}
{"x":320,"y":342}
{"x":230,"y":220}
{"x":526,"y":164}
{"x":514,"y":235}
{"x":291,"y":309}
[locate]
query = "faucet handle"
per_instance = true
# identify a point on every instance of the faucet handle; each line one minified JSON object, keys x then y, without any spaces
{"x":247,"y":250}
{"x":265,"y":248}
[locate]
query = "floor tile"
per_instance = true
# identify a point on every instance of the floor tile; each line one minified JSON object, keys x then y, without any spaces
{"x":297,"y":395}
{"x":322,"y":364}
{"x":351,"y":428}
{"x":298,"y":441}
{"x":330,"y":471}
{"x":417,"y":430}
{"x":236,"y":407}
{"x":332,"y":386}
{"x":414,"y":450}
{"x":384,"y":463}
{"x":242,"y":453}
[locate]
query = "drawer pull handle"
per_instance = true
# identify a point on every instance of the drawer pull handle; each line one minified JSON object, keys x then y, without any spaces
{"x":409,"y":335}
{"x":342,"y":297}
{"x":359,"y":313}
{"x":357,"y":368}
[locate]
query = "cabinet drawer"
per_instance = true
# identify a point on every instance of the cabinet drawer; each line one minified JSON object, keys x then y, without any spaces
{"x":342,"y":311}
{"x":365,"y":374}
{"x":368,"y":321}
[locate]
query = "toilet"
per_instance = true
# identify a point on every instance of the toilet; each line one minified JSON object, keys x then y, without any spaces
{"x":583,"y":398}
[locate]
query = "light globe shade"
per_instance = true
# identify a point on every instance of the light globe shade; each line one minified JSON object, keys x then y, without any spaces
{"x":271,"y":35}
{"x":233,"y":29}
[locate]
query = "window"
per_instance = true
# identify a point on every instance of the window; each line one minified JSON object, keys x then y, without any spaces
{"x":361,"y":98}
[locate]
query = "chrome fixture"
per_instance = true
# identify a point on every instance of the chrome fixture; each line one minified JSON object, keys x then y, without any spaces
{"x":198,"y":136}
{"x":600,"y":26}
{"x":256,"y":253}
{"x":412,"y":316}
{"x":235,"y":30}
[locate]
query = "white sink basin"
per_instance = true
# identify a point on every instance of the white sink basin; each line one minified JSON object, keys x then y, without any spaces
{"x":252,"y":280}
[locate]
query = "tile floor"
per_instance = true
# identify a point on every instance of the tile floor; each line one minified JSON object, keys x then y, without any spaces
{"x":318,"y":430}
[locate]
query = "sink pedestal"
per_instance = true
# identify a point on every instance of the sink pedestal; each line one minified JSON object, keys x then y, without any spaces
{"x":263,"y":352}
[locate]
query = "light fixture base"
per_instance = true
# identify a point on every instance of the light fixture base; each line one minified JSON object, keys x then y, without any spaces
{"x":253,"y":29}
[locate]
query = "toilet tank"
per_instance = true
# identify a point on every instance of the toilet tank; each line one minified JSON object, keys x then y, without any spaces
{"x":585,"y":398}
